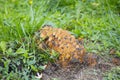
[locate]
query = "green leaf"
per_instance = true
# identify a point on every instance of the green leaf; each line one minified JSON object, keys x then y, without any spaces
{"x":118,"y":53}
{"x":34,"y":68}
{"x":31,"y":62}
{"x":42,"y":67}
{"x":10,"y":52}
{"x":25,"y":55}
{"x":3,"y":46}
{"x":21,"y":51}
{"x":54,"y":54}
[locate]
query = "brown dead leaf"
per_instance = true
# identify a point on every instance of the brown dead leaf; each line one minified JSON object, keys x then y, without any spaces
{"x":116,"y":61}
{"x":112,"y":51}
{"x":91,"y":59}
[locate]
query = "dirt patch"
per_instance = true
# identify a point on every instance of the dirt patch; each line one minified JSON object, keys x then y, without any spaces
{"x":77,"y":71}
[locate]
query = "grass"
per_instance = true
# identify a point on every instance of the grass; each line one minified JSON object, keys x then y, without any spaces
{"x":94,"y":20}
{"x":113,"y":74}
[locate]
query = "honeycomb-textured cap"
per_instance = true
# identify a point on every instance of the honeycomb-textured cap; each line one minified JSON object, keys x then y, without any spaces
{"x":63,"y":42}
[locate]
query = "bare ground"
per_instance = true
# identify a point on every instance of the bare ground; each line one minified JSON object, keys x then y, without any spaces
{"x":77,"y":71}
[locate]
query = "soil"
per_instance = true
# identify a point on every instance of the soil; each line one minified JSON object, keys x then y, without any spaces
{"x":77,"y":71}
